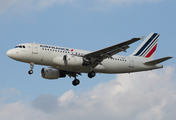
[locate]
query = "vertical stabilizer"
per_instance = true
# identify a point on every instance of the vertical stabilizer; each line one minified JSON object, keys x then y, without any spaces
{"x":148,"y":47}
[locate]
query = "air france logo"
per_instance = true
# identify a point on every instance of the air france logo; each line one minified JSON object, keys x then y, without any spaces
{"x":57,"y":48}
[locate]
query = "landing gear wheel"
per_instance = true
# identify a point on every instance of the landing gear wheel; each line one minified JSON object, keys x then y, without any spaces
{"x":91,"y":74}
{"x":31,"y":66}
{"x":75,"y":82}
{"x":30,"y":72}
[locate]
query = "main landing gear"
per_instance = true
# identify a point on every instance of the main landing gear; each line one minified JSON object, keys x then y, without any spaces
{"x":91,"y":74}
{"x":75,"y":82}
{"x":31,"y":66}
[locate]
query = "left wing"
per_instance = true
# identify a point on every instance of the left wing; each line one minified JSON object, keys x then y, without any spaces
{"x":96,"y":57}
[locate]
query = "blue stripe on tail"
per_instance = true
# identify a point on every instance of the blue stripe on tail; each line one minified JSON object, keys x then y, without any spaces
{"x":149,"y":45}
{"x":146,"y":44}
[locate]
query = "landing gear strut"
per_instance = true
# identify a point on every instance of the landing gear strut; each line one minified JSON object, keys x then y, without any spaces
{"x":31,"y":66}
{"x":91,"y":74}
{"x":75,"y":82}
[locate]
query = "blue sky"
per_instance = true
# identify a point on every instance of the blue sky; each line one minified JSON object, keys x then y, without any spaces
{"x":89,"y":25}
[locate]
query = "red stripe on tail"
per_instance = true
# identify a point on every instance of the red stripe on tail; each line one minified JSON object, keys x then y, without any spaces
{"x":151,"y":52}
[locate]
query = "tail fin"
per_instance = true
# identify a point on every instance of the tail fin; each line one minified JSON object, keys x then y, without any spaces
{"x":148,"y":47}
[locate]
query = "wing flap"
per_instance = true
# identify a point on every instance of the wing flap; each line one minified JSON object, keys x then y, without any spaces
{"x":157,"y":61}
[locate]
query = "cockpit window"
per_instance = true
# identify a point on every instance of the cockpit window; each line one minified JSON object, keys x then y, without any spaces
{"x":20,"y":46}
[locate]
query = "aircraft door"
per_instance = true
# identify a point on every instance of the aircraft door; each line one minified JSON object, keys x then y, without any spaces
{"x":34,"y":48}
{"x":131,"y":63}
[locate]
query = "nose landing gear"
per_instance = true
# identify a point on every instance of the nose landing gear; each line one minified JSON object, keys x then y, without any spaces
{"x":31,"y":66}
{"x":30,"y":72}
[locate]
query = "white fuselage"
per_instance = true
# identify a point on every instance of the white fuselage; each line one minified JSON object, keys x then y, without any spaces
{"x":44,"y":54}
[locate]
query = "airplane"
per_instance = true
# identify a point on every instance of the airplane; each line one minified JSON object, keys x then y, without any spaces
{"x":64,"y":61}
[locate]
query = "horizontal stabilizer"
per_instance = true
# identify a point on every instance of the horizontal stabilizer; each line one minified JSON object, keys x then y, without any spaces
{"x":154,"y":62}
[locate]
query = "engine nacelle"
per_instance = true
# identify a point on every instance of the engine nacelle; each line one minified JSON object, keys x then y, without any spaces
{"x":69,"y":60}
{"x":73,"y":60}
{"x":51,"y":73}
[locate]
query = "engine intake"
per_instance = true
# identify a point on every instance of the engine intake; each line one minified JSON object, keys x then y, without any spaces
{"x":51,"y":73}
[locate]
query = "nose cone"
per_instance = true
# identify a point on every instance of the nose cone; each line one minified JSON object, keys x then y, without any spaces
{"x":9,"y":53}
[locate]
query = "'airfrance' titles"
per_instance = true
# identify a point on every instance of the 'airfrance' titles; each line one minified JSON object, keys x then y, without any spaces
{"x":58,"y":48}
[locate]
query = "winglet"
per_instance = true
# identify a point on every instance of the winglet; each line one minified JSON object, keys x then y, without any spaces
{"x":142,"y":38}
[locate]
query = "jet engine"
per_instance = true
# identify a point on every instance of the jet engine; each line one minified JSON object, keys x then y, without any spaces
{"x":69,"y":60}
{"x":51,"y":73}
{"x":73,"y":60}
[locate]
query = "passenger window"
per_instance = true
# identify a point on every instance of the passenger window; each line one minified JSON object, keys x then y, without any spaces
{"x":24,"y":47}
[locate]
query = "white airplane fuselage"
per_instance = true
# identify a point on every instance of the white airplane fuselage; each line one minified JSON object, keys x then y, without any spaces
{"x":41,"y":54}
{"x":64,"y":61}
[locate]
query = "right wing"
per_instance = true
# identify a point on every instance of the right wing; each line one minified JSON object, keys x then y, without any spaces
{"x":98,"y":56}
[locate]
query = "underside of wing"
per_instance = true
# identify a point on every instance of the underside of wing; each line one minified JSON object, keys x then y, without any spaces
{"x":113,"y":49}
{"x":96,"y":57}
